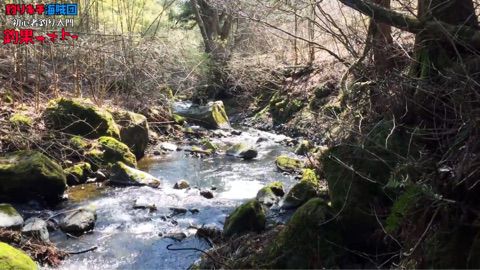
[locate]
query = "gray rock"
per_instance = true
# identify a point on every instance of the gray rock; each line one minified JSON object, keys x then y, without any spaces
{"x":168,"y":146}
{"x":143,"y":203}
{"x":242,"y":150}
{"x":177,"y":236}
{"x":212,"y":115}
{"x":37,"y":228}
{"x":9,"y":217}
{"x":79,"y":221}
{"x":128,"y":176}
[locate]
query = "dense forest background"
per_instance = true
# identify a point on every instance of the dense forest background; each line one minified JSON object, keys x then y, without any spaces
{"x":389,"y":88}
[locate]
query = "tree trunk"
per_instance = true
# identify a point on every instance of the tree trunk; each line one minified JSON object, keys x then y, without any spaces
{"x":382,"y":42}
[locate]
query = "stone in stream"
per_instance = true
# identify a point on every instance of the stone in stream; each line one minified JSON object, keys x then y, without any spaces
{"x":107,"y":151}
{"x":178,"y":211}
{"x":177,"y":236}
{"x":248,"y":217}
{"x":36,"y":228}
{"x":15,"y":259}
{"x":168,"y":146}
{"x":306,"y":189}
{"x":182,"y":184}
{"x":100,"y":176}
{"x":128,"y":176}
{"x":289,"y":164}
{"x":133,"y":131}
{"x":79,"y":221}
{"x":270,"y":194}
{"x":143,"y":203}
{"x":9,"y":217}
{"x":194,"y":211}
{"x":25,"y":175}
{"x":236,"y":132}
{"x":242,"y":150}
{"x":206,"y":194}
{"x":212,"y":115}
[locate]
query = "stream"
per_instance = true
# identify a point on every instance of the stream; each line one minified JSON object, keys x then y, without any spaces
{"x":130,"y":238}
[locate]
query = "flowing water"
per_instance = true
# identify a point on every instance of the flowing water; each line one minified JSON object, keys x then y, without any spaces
{"x":129,"y":238}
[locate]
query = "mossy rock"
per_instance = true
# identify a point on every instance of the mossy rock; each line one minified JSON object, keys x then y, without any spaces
{"x":242,"y":150}
{"x":78,"y":173}
{"x":20,"y":120}
{"x":107,"y":151}
{"x":9,"y":217}
{"x":15,"y":259}
{"x":79,"y":143}
{"x":402,"y":206}
{"x":127,"y":176}
{"x":80,"y":117}
{"x":300,"y":194}
{"x":25,"y":175}
{"x":283,"y":108}
{"x":212,"y":115}
{"x":271,"y":193}
{"x":304,"y":147}
{"x":362,"y":170}
{"x":209,"y":145}
{"x":178,"y":119}
{"x":306,"y":241}
{"x":133,"y":131}
{"x":289,"y":164}
{"x":248,"y":217}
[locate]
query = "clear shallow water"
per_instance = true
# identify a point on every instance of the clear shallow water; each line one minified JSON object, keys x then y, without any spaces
{"x":129,"y":238}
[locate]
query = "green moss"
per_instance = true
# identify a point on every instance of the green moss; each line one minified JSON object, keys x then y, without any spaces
{"x":15,"y":259}
{"x":78,"y":173}
{"x":29,"y":173}
{"x":207,"y":144}
{"x":178,"y":119}
{"x":306,"y":241}
{"x":402,"y":206}
{"x":7,"y":98}
{"x":283,"y":108}
{"x":107,"y":151}
{"x":80,"y":117}
{"x":309,"y":175}
{"x":219,"y":114}
{"x":249,"y":216}
{"x":79,"y":143}
{"x":20,"y":120}
{"x":125,"y":175}
{"x":8,"y":209}
{"x":276,"y":187}
{"x":288,"y":164}
{"x":300,"y":194}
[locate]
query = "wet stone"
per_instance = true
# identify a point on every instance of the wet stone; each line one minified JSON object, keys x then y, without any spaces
{"x":206,"y":194}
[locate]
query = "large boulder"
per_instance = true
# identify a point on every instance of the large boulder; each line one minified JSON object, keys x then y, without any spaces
{"x":289,"y":164}
{"x":80,"y":117}
{"x":78,"y":173}
{"x":9,"y":217}
{"x":15,"y":259}
{"x":36,"y":228}
{"x":242,"y":150}
{"x":29,"y":174}
{"x":128,"y":176}
{"x":79,"y":221}
{"x":212,"y":115}
{"x":311,"y":239}
{"x":248,"y":217}
{"x":133,"y":131}
{"x":107,"y":151}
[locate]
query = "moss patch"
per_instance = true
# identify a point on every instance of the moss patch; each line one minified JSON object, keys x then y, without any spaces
{"x":15,"y":259}
{"x":20,"y":120}
{"x":78,"y":173}
{"x":288,"y":164}
{"x":133,"y":131}
{"x":107,"y":151}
